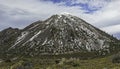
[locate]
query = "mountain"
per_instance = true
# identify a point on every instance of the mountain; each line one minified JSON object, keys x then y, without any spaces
{"x":8,"y":38}
{"x":57,"y":35}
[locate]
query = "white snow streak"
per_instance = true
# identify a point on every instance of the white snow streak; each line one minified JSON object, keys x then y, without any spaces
{"x":34,"y":26}
{"x":24,"y":34}
{"x":44,"y":41}
{"x":35,"y":36}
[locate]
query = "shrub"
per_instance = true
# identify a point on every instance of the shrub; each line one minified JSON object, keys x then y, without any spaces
{"x":72,"y":62}
{"x":8,"y":60}
{"x":57,"y":61}
{"x":116,"y":58}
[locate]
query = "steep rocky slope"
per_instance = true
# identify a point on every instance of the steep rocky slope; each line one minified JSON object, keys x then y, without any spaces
{"x":59,"y":34}
{"x":8,"y":38}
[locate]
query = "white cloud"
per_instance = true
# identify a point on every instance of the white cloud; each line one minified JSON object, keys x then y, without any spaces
{"x":112,"y":29}
{"x":93,"y":4}
{"x":20,"y":13}
{"x":23,"y":12}
{"x":107,"y":16}
{"x":109,"y":12}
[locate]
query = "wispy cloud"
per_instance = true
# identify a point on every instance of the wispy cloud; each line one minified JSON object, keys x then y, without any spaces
{"x":89,"y":6}
{"x":112,"y":29}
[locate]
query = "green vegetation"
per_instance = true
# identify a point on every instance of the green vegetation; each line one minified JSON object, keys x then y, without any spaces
{"x":116,"y":58}
{"x":71,"y":63}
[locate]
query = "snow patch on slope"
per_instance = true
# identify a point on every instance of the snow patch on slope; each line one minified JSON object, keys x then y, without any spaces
{"x":65,"y":13}
{"x":35,"y":36}
{"x":34,"y":26}
{"x":19,"y":39}
{"x":44,"y":41}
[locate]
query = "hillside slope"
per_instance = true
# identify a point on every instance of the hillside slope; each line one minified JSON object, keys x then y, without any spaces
{"x":59,"y":35}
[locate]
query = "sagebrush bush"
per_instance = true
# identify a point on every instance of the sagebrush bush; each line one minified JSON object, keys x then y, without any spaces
{"x":116,"y":58}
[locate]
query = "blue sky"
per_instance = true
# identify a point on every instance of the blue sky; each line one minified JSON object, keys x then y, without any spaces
{"x":103,"y":14}
{"x":83,"y":5}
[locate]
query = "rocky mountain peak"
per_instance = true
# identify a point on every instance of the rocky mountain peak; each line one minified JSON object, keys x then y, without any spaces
{"x":60,"y":34}
{"x":63,"y":19}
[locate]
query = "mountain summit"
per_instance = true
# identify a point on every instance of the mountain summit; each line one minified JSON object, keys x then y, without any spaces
{"x":59,"y":34}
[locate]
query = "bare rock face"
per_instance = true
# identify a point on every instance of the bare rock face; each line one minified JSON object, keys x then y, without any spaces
{"x":60,"y":34}
{"x":7,"y":39}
